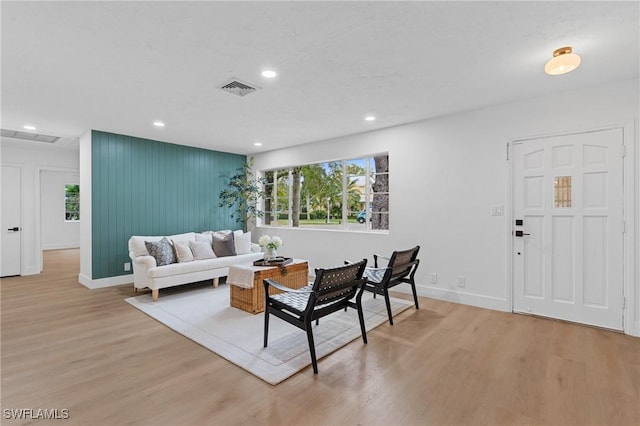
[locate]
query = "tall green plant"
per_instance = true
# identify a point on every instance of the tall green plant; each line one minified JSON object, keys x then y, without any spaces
{"x":243,"y":194}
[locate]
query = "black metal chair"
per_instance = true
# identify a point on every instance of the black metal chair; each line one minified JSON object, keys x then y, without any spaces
{"x":401,"y":269}
{"x":334,"y":289}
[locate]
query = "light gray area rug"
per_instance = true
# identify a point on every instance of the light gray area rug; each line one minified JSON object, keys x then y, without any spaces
{"x":205,"y":316}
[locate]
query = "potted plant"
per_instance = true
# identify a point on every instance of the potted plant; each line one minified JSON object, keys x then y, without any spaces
{"x":243,"y":194}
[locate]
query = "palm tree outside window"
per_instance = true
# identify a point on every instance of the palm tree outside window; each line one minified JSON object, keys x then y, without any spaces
{"x":330,"y":195}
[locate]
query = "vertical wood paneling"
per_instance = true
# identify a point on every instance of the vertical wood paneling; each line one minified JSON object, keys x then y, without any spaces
{"x":146,"y":187}
{"x":127,"y":195}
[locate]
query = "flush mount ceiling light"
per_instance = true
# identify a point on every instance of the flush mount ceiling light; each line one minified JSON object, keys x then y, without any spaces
{"x":158,"y":123}
{"x":29,"y":127}
{"x":257,"y":144}
{"x":563,"y":61}
{"x":269,"y":73}
{"x":370,"y":118}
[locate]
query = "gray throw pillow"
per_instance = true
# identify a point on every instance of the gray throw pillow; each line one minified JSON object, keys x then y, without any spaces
{"x":224,"y":245}
{"x":201,"y":250}
{"x":162,"y":251}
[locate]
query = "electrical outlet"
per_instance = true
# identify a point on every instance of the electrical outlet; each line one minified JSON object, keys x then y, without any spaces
{"x":127,"y":266}
{"x":434,"y":278}
{"x":461,"y":281}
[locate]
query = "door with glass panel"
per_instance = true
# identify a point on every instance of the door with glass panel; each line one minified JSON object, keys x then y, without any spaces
{"x":568,"y":227}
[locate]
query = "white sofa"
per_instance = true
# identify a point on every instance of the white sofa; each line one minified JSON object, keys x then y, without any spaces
{"x":146,"y":272}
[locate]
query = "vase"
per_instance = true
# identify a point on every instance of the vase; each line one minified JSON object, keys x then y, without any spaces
{"x":270,"y":253}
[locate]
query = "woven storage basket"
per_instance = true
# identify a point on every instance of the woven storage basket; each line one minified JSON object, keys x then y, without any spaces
{"x":252,"y":299}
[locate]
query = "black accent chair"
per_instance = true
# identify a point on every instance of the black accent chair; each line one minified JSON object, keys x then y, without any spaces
{"x":333,"y":289}
{"x":401,"y":269}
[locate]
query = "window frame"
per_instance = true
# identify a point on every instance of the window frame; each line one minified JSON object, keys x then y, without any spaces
{"x":67,"y":211}
{"x":344,"y":225}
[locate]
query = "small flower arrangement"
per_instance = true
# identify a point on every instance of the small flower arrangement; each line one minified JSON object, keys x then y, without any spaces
{"x":269,"y":242}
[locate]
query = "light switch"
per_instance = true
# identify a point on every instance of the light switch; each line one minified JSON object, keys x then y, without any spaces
{"x":497,"y":210}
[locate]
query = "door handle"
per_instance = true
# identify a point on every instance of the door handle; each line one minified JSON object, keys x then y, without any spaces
{"x":521,"y":234}
{"x":14,"y":229}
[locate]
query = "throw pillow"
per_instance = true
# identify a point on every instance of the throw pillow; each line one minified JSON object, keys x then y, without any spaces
{"x":222,"y":233}
{"x":201,"y":250}
{"x":205,"y":236}
{"x":224,"y":246}
{"x":183,"y":252}
{"x":161,"y":250}
{"x":242,"y":242}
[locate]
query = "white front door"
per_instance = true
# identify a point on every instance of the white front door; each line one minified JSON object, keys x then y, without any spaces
{"x":11,"y":218}
{"x":568,"y":227}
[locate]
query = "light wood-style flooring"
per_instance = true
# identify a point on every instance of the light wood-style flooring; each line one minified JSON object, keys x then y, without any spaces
{"x":67,"y":347}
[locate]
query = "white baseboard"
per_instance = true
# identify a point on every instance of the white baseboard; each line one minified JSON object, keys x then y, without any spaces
{"x":30,"y":271}
{"x":105,"y":282}
{"x":60,"y":246}
{"x":481,"y":301}
{"x":478,"y":300}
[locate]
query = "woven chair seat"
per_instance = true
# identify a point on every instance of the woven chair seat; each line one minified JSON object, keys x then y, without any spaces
{"x":401,"y":269}
{"x":294,"y":300}
{"x":375,"y":275}
{"x":297,"y":302}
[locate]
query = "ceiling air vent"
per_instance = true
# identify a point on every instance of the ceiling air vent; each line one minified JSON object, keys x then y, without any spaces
{"x":28,"y":136}
{"x":238,"y":87}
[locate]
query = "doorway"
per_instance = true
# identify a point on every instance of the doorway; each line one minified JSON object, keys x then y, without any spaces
{"x":568,"y":229}
{"x":11,"y":262}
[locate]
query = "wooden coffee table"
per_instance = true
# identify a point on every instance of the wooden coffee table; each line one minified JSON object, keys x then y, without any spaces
{"x":294,"y":275}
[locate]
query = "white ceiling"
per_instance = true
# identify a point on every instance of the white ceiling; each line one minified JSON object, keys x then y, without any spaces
{"x":118,"y":66}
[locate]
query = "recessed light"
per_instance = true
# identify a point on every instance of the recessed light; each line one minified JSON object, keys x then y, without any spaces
{"x":269,"y":73}
{"x":158,"y":123}
{"x":257,"y":144}
{"x":29,"y":127}
{"x":370,"y":118}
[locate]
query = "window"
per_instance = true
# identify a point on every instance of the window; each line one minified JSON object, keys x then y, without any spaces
{"x":72,"y":202}
{"x":346,"y":194}
{"x":562,"y":189}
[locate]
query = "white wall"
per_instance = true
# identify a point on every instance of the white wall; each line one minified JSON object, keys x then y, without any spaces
{"x":445,"y":174}
{"x":85,"y":207}
{"x":56,"y":232}
{"x":32,"y":158}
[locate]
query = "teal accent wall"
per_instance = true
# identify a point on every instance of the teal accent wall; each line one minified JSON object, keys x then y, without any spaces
{"x":146,"y":187}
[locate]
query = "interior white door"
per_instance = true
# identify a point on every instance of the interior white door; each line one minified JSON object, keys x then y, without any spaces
{"x":568,"y":248}
{"x":11,"y":222}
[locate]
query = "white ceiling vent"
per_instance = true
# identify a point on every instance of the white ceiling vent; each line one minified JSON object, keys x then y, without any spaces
{"x":239,"y":87}
{"x":28,"y":136}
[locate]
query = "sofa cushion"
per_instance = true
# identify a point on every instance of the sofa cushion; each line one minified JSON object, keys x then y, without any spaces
{"x":221,"y":232}
{"x":182,"y":251}
{"x":224,"y":245}
{"x":202,"y":265}
{"x":161,"y":250}
{"x":201,"y":250}
{"x":205,"y":236}
{"x":137,"y":243}
{"x":187,"y":236}
{"x":242,"y":242}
